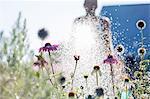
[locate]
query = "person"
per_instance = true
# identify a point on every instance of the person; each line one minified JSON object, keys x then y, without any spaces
{"x":90,"y":8}
{"x":91,"y":40}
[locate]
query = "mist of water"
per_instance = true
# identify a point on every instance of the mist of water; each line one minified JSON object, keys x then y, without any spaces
{"x":86,"y":40}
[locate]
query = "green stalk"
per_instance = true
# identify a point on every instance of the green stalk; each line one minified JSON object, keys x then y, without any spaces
{"x":51,"y":62}
{"x":74,"y":72}
{"x":142,"y":41}
{"x":86,"y":82}
{"x":96,"y":78}
{"x":112,"y":77}
{"x":49,"y":75}
{"x":126,"y":92}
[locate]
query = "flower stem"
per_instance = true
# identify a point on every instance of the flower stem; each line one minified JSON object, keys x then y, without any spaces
{"x":142,"y":40}
{"x":142,"y":43}
{"x":51,"y":81}
{"x":96,"y":78}
{"x":49,"y":75}
{"x":51,"y":63}
{"x":53,"y":71}
{"x":86,"y":82}
{"x":112,"y":77}
{"x":74,"y":72}
{"x":126,"y":92}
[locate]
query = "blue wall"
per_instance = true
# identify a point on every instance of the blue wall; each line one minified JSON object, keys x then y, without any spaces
{"x":124,"y":30}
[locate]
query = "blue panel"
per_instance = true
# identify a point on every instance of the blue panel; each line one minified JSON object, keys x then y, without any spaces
{"x":124,"y":30}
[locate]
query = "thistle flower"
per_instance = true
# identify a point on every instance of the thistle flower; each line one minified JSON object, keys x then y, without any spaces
{"x":99,"y":92}
{"x":110,"y":60}
{"x":48,"y":47}
{"x":42,"y":33}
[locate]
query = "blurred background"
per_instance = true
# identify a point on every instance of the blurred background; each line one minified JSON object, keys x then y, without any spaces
{"x":20,"y":25}
{"x":56,"y":16}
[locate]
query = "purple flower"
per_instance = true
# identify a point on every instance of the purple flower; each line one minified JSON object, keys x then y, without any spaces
{"x":36,"y":66}
{"x":48,"y":47}
{"x":110,"y":60}
{"x":40,"y":63}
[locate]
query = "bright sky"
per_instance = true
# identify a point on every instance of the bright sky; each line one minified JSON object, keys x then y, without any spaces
{"x":55,"y":15}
